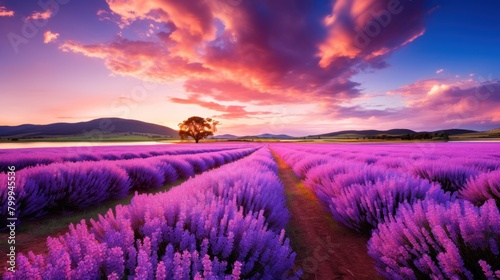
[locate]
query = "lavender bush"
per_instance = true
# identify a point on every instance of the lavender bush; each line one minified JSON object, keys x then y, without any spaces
{"x":142,"y":174}
{"x":450,"y":176}
{"x":327,"y":181}
{"x":305,"y":163}
{"x":479,"y":189}
{"x":182,"y":167}
{"x":427,"y":239}
{"x":363,"y":207}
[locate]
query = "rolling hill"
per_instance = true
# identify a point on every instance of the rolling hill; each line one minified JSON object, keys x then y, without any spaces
{"x":267,"y":136}
{"x":492,"y":133}
{"x":391,"y":132}
{"x":225,"y":136}
{"x":103,"y":125}
{"x":361,"y":133}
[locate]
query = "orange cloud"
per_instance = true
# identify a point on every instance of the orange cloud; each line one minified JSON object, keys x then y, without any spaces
{"x":227,"y":112}
{"x":4,"y":12}
{"x":365,"y":30}
{"x":40,"y":15}
{"x":49,"y":36}
{"x":145,"y":60}
{"x":431,"y":104}
{"x":259,"y":52}
{"x":451,"y":103}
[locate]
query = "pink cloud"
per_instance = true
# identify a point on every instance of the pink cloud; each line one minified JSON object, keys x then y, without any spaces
{"x":49,"y":36}
{"x":272,"y":51}
{"x":4,"y":12}
{"x":141,"y":59}
{"x":433,"y":86}
{"x":451,"y":103}
{"x":281,"y":52}
{"x":193,"y":20}
{"x":367,"y":30}
{"x":439,"y":71}
{"x":431,"y":104}
{"x":227,"y":112}
{"x":40,"y":15}
{"x":219,"y":90}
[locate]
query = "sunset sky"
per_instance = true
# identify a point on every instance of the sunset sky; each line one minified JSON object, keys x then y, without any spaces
{"x":298,"y":67}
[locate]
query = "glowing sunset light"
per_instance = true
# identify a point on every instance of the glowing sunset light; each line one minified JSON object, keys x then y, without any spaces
{"x":258,"y":66}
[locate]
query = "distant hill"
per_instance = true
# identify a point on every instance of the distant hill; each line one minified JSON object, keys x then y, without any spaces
{"x":367,"y":133}
{"x":482,"y":134}
{"x":456,"y":131}
{"x":391,"y":132}
{"x":225,"y":136}
{"x":267,"y":136}
{"x":105,"y":125}
{"x":493,"y":131}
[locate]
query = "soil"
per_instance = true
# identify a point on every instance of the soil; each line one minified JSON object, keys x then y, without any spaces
{"x":325,"y":249}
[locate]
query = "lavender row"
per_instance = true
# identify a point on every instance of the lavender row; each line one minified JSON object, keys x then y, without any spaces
{"x":23,"y":158}
{"x":358,"y":195}
{"x":451,"y":173}
{"x":482,"y":188}
{"x":82,"y":184}
{"x":419,"y":231}
{"x":224,"y":224}
{"x":415,"y":151}
{"x":407,"y":157}
{"x":426,"y":239}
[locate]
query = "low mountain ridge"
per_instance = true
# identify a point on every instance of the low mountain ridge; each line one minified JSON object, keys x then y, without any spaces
{"x":390,"y":132}
{"x":267,"y":136}
{"x":225,"y":136}
{"x":103,"y":125}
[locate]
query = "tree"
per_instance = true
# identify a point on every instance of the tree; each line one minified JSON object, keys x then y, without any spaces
{"x":197,"y":128}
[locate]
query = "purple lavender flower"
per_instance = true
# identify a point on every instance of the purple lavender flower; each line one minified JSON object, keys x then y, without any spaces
{"x":442,"y":240}
{"x":481,"y":188}
{"x":208,"y":226}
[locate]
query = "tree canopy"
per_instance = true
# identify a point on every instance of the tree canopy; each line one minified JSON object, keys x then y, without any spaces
{"x":197,"y":128}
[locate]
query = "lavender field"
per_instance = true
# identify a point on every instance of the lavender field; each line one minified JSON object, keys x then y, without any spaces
{"x":432,"y":210}
{"x":421,"y":211}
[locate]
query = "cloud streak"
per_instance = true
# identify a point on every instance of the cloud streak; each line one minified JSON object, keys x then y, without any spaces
{"x":226,"y":112}
{"x":45,"y":15}
{"x":4,"y":12}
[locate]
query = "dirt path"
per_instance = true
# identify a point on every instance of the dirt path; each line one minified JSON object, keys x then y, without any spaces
{"x":325,"y":249}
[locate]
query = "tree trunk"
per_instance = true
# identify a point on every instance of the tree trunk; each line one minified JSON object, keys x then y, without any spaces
{"x":196,"y":140}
